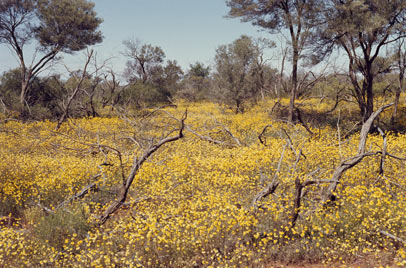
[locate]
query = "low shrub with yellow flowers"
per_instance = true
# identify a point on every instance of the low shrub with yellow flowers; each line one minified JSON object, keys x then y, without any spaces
{"x":191,"y":203}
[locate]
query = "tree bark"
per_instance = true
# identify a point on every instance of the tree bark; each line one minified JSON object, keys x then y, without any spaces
{"x":369,"y":79}
{"x":293,"y":90}
{"x":402,"y":66}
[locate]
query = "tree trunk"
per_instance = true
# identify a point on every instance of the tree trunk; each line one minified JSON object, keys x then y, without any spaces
{"x":91,"y":102}
{"x":24,"y":87}
{"x":23,"y":94}
{"x":238,"y":106}
{"x":293,"y":90}
{"x":397,"y":97}
{"x":369,"y":92}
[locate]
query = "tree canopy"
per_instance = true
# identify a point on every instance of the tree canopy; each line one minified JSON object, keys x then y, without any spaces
{"x":297,"y":16}
{"x":362,"y":29}
{"x":238,"y":66}
{"x":56,"y":25}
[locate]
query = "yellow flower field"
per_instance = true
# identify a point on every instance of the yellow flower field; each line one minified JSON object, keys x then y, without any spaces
{"x":191,"y":204}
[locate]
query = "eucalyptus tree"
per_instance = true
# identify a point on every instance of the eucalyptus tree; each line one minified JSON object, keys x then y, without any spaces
{"x":198,"y":76}
{"x":144,"y":60}
{"x":171,"y":77}
{"x":236,"y":71}
{"x":196,"y":82}
{"x":361,"y":29}
{"x":298,"y":17}
{"x":57,"y":26}
{"x":399,"y":57}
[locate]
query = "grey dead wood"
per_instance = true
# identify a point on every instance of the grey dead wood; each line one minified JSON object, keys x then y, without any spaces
{"x":137,"y":164}
{"x":352,"y":161}
{"x":75,"y":91}
{"x":271,"y":187}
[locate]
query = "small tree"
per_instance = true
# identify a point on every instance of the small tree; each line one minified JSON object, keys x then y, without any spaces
{"x":150,"y":80}
{"x":168,"y":80}
{"x":198,"y":75}
{"x":144,"y":61}
{"x":196,"y":82}
{"x":296,"y":16}
{"x":236,"y":70}
{"x":57,"y":25}
{"x":44,"y":97}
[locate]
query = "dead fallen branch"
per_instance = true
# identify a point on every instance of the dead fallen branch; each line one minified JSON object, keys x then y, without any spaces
{"x":392,"y":237}
{"x":352,"y":161}
{"x":271,"y":187}
{"x":81,"y":193}
{"x":384,"y":151}
{"x":261,"y":137}
{"x":137,"y":163}
{"x":210,"y":139}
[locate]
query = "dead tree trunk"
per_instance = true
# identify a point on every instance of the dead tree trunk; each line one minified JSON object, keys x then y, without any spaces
{"x":137,"y":163}
{"x":352,"y":161}
{"x":75,"y":92}
{"x":271,"y":187}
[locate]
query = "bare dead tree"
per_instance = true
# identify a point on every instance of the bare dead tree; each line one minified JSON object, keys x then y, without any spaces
{"x":301,"y":184}
{"x":270,"y":188}
{"x":236,"y":142}
{"x":309,"y":80}
{"x":207,"y":138}
{"x":137,"y":164}
{"x":228,"y":131}
{"x":76,"y":90}
{"x":300,"y":193}
{"x":261,"y":137}
{"x":98,"y":76}
{"x":352,"y":161}
{"x":5,"y":110}
{"x":110,"y":88}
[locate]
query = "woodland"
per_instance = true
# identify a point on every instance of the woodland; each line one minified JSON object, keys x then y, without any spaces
{"x":242,"y":163}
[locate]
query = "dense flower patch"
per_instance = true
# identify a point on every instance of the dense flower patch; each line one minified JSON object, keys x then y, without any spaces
{"x":191,"y":203}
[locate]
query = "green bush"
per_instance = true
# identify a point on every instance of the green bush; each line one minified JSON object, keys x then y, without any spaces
{"x":54,"y":228}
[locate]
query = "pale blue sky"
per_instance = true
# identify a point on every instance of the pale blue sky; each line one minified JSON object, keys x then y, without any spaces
{"x":186,"y":30}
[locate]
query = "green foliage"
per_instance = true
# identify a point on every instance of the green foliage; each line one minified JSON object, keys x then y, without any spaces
{"x":15,"y":20}
{"x":67,"y":25}
{"x":53,"y":228}
{"x":57,"y":26}
{"x":168,"y":83}
{"x":145,"y":61}
{"x":140,"y":95}
{"x":198,"y":69}
{"x":240,"y":71}
{"x":43,"y":97}
{"x":196,"y":83}
{"x":275,"y":15}
{"x":362,"y":29}
{"x":150,"y":81}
